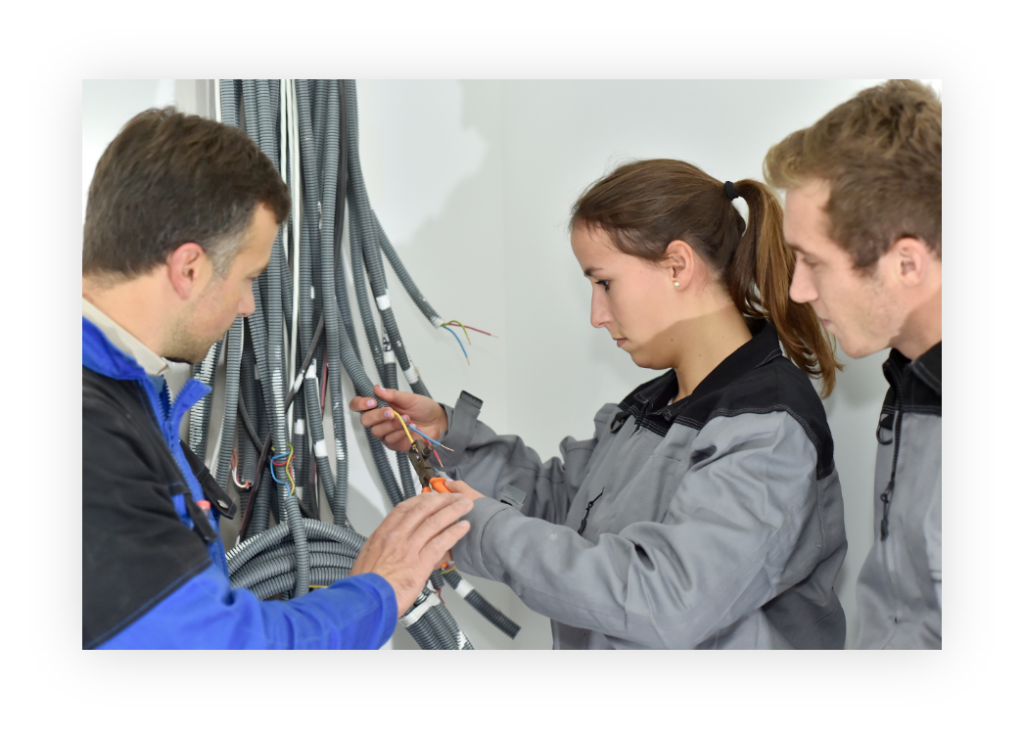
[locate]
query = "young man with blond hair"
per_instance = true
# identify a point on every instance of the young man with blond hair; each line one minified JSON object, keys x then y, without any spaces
{"x":863,"y":215}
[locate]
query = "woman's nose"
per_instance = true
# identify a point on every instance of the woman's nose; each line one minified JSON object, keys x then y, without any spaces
{"x":598,"y":311}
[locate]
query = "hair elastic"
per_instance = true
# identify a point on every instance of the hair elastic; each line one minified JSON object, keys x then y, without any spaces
{"x":730,"y":190}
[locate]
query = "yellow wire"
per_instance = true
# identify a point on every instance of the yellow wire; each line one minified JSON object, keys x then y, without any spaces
{"x":407,"y":433}
{"x":463,"y":329}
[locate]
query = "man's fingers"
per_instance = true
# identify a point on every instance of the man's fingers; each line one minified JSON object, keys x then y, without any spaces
{"x":437,"y":549}
{"x":411,"y":513}
{"x":434,"y":524}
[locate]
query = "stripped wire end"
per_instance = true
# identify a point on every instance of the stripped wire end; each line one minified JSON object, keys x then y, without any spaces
{"x":466,"y":326}
{"x":437,"y":457}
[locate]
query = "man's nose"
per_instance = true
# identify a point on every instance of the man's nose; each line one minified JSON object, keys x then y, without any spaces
{"x":248,"y":303}
{"x":801,"y":290}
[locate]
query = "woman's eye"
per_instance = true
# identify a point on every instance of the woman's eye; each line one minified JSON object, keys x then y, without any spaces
{"x":602,"y":283}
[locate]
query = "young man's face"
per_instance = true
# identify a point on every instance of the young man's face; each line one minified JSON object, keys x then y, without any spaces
{"x":861,"y":310}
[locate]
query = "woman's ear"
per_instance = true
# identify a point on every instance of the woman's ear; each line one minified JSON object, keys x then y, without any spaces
{"x":679,"y":263}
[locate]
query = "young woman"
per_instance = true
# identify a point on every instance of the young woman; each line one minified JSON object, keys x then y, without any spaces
{"x":706,"y":510}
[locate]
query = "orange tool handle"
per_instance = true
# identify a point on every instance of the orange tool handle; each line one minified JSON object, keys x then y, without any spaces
{"x":437,"y":485}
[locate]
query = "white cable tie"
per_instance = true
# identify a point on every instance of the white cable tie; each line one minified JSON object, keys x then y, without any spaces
{"x":311,"y":372}
{"x":418,"y":612}
{"x":384,"y":301}
{"x":412,"y":375}
{"x":436,"y":321}
{"x":300,"y":426}
{"x":320,"y":448}
{"x":463,"y":588}
{"x":389,"y":357}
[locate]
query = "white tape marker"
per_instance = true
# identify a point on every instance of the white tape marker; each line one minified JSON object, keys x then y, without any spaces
{"x":416,"y":613}
{"x":320,"y":448}
{"x":384,"y":301}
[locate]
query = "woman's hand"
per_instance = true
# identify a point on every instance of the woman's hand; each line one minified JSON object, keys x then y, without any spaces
{"x":426,"y":414}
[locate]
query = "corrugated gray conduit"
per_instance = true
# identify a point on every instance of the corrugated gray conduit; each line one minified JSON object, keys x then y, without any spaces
{"x":199,"y":414}
{"x":270,"y":562}
{"x":267,"y":328}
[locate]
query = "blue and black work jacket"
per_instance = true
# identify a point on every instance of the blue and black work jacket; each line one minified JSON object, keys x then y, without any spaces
{"x":154,"y":573}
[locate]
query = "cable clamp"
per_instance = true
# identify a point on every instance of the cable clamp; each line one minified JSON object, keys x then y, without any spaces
{"x":414,"y":615}
{"x":384,"y":301}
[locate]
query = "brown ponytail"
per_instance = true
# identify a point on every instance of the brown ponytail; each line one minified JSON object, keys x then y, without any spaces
{"x":645,"y":205}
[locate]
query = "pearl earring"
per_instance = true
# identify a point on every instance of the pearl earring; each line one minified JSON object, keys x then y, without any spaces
{"x":675,"y":283}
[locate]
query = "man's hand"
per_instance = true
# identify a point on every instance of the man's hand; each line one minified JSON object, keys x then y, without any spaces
{"x":426,"y":414}
{"x":460,"y":487}
{"x":413,"y":541}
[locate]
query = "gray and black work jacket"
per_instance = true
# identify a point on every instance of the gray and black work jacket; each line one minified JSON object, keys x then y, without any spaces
{"x":899,"y":591}
{"x":712,"y":522}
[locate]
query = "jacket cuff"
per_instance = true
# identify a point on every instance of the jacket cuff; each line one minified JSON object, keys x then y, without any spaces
{"x":468,"y":552}
{"x":389,"y":603}
{"x":461,"y":425}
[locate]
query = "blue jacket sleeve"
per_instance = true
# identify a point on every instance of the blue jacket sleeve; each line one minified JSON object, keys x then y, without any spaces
{"x":355,"y":613}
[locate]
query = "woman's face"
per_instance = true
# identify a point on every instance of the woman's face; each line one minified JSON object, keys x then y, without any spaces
{"x":632,"y":298}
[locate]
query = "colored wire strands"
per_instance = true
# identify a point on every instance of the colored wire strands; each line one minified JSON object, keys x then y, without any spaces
{"x":466,"y":326}
{"x":285,"y":461}
{"x":459,"y":341}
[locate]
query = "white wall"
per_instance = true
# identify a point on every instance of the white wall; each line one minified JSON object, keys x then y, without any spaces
{"x":473,"y":182}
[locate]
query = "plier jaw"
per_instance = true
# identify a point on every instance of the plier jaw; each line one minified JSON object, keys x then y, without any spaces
{"x":419,"y":455}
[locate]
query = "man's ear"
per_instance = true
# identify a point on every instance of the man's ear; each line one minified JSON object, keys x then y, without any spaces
{"x":186,"y":268}
{"x":680,"y":262}
{"x":912,"y":260}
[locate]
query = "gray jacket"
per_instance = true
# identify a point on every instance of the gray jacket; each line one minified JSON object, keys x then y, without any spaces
{"x":713,"y":522}
{"x":899,"y":591}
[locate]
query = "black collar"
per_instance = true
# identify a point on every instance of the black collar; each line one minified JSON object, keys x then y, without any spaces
{"x":653,"y":397}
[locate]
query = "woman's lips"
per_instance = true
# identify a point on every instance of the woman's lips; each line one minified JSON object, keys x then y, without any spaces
{"x":620,"y":341}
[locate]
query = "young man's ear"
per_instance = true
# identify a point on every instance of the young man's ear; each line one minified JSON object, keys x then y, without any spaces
{"x":912,"y":259}
{"x":186,"y":268}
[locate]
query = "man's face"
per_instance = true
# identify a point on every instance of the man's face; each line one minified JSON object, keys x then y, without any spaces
{"x":213,"y":310}
{"x":861,"y":310}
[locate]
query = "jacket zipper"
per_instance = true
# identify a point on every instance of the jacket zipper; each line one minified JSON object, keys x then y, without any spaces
{"x":583,"y":523}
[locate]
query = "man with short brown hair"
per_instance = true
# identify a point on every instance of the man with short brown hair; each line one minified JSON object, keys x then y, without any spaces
{"x":181,"y":218}
{"x":863,"y":214}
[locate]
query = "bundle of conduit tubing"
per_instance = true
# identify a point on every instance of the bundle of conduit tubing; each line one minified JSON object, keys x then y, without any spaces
{"x":283,"y":363}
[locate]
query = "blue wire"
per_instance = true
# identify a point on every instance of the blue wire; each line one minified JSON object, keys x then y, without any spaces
{"x":274,"y":474}
{"x":459,"y":341}
{"x":429,"y":439}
